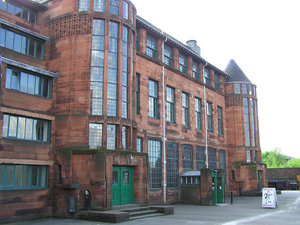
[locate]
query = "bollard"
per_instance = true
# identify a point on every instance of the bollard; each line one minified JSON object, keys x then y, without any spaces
{"x":231,"y":197}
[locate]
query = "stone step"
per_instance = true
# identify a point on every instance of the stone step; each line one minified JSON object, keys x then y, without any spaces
{"x":136,"y":209}
{"x":145,"y":216}
{"x":143,"y":212}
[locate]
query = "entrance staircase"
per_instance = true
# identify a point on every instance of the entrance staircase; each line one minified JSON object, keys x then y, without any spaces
{"x":142,"y":212}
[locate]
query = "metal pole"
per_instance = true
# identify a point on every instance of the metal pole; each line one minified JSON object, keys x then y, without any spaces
{"x":205,"y":119}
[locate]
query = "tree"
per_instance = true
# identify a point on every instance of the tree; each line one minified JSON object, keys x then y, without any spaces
{"x":274,"y":159}
{"x":293,"y":163}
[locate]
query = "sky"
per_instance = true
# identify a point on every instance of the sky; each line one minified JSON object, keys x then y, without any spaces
{"x":262,"y":36}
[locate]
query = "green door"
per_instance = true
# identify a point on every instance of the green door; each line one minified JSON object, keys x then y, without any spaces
{"x":259,"y":180}
{"x":122,"y":186}
{"x":214,"y":187}
{"x":220,"y":191}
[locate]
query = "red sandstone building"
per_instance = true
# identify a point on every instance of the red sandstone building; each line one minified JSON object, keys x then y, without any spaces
{"x":93,"y":97}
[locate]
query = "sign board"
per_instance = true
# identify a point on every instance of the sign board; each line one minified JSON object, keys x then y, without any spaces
{"x":269,"y":198}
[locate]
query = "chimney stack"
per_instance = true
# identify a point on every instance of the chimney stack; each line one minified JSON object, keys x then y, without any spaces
{"x":192,"y":44}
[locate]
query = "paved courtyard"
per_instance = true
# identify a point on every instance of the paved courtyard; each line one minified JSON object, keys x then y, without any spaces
{"x":244,"y":210}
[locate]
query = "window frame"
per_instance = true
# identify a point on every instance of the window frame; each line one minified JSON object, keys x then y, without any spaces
{"x":151,"y":46}
{"x":217,"y":82}
{"x":182,"y":61}
{"x":170,"y":104}
{"x":185,"y":109}
{"x":157,"y":156}
{"x":111,"y":139}
{"x":139,"y":144}
{"x":206,"y":76}
{"x":153,"y":99}
{"x":187,"y":157}
{"x":168,"y":58}
{"x":220,"y":121}
{"x":198,"y":113}
{"x":209,"y":115}
{"x":93,"y":135}
{"x":172,"y":166}
{"x":83,"y":5}
{"x":137,"y":94}
{"x":196,"y":70}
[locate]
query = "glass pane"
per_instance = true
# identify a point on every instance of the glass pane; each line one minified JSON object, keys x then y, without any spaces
{"x":17,"y":43}
{"x":9,"y":39}
{"x":2,"y":170}
{"x":31,"y":47}
{"x":39,"y":49}
{"x":99,"y":5}
{"x":21,"y":128}
{"x":115,"y":177}
{"x":43,"y":176}
{"x":24,"y":82}
{"x":46,"y":88}
{"x":8,"y":78}
{"x":18,"y":176}
{"x":31,"y":84}
{"x":10,"y":8}
{"x":2,"y":5}
{"x":2,"y":36}
{"x":125,"y":177}
{"x":37,"y":89}
{"x":29,"y":125}
{"x":32,"y":16}
{"x":9,"y":179}
{"x":36,"y":130}
{"x":18,"y":11}
{"x":25,"y":14}
{"x":45,"y":135}
{"x":34,"y":176}
{"x":111,"y":137}
{"x":26,"y":176}
{"x":12,"y":126}
{"x":5,"y":126}
{"x":23,"y":45}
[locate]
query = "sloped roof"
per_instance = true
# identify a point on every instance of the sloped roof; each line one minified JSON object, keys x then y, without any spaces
{"x":235,"y":74}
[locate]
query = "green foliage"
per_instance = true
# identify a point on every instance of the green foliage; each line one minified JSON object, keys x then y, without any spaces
{"x":275,"y":159}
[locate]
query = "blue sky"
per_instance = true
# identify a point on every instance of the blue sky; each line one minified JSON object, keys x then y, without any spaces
{"x":262,"y":36}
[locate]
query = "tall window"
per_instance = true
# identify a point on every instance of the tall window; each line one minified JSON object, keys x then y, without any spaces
{"x":168,"y":56}
{"x":212,"y":158}
{"x":217,"y":82}
{"x":139,"y":144}
{"x":124,"y":73}
{"x":252,"y":122}
{"x":185,"y":109}
{"x":250,"y":90}
{"x":187,"y":157}
{"x":137,"y":93}
{"x":182,"y":63}
{"x":124,"y":137}
{"x":154,"y":154}
{"x":237,"y":88}
{"x":95,"y":135}
{"x":198,"y":113}
{"x":244,"y":89}
{"x":24,"y":13}
{"x":151,"y":46}
{"x":137,"y":40}
{"x":255,"y":156}
{"x":222,"y":162}
{"x":20,"y":177}
{"x":22,"y":43}
{"x":153,"y":101}
{"x":97,"y":64}
{"x":125,"y":10}
{"x":196,"y":70}
{"x":170,"y":104}
{"x":99,"y":5}
{"x":220,"y":121}
{"x":111,"y":136}
{"x":114,"y":7}
{"x":28,"y":82}
{"x":24,"y":128}
{"x":200,"y":157}
{"x":206,"y":76}
{"x":172,"y":165}
{"x":84,"y":5}
{"x":248,"y":156}
{"x":246,"y":121}
{"x":209,"y":117}
{"x":112,"y":69}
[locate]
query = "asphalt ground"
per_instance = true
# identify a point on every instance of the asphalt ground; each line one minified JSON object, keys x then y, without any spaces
{"x":244,"y":210}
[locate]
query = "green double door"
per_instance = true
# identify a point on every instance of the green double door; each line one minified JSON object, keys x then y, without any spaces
{"x":217,"y":189}
{"x":122,"y":187}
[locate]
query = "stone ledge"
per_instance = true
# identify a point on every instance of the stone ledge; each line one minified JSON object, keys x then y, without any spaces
{"x":165,"y":209}
{"x":111,"y":216}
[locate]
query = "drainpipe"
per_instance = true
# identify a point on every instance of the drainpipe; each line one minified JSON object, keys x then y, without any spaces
{"x":205,"y":120}
{"x":164,"y":121}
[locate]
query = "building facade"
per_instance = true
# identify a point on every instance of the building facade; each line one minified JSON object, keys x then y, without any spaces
{"x":95,"y":99}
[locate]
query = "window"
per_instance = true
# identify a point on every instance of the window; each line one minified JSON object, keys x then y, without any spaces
{"x":246,"y":121}
{"x":222,"y":162}
{"x":125,"y":10}
{"x":22,"y":43}
{"x":206,"y":76}
{"x":237,"y":89}
{"x":24,"y":13}
{"x":252,"y":122}
{"x":170,"y":104}
{"x":97,"y":64}
{"x":244,"y":89}
{"x":196,"y":70}
{"x":187,"y":157}
{"x":198,"y":113}
{"x":153,"y":101}
{"x":185,"y":109}
{"x":137,"y":40}
{"x":124,"y":137}
{"x":84,"y":5}
{"x":114,"y":7}
{"x":255,"y":156}
{"x":112,"y":70}
{"x":20,"y":177}
{"x":248,"y":156}
{"x":172,"y":165}
{"x":200,"y":157}
{"x":139,"y":144}
{"x":99,"y":5}
{"x":250,"y":90}
{"x":111,"y":137}
{"x":209,"y":117}
{"x":182,"y":64}
{"x":154,"y":153}
{"x":28,"y":82}
{"x":24,"y":128}
{"x":217,"y":82}
{"x":168,"y":56}
{"x":137,"y":93}
{"x":125,"y":73}
{"x":95,"y":136}
{"x":212,"y":158}
{"x":220,"y":121}
{"x":151,"y":47}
